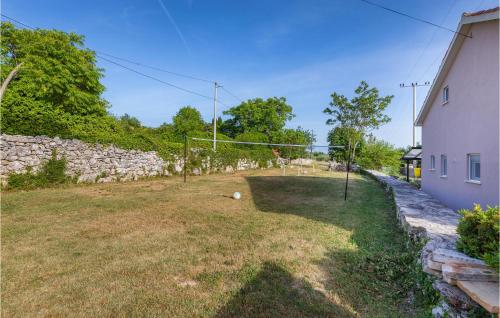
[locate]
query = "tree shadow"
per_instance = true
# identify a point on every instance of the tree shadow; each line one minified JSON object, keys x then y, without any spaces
{"x":370,"y":218}
{"x":308,"y":197}
{"x":322,"y":199}
{"x":274,"y":292}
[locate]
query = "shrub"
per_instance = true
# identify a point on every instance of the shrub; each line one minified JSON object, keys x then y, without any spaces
{"x":478,"y":232}
{"x":51,"y":173}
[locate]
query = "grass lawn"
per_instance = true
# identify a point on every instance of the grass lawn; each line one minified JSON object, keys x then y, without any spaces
{"x":291,"y":247}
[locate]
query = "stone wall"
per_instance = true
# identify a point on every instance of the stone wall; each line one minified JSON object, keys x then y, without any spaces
{"x":91,"y":162}
{"x":88,"y":162}
{"x":427,"y":220}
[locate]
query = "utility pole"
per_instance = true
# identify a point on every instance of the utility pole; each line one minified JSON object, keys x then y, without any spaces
{"x":215,"y":114}
{"x":414,"y":89}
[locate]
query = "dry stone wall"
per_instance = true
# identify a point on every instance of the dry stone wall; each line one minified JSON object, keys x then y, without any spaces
{"x":87,"y":162}
{"x":93,"y":162}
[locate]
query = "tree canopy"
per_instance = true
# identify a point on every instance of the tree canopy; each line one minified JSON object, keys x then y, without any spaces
{"x":359,"y":115}
{"x":379,"y":155}
{"x":297,"y":136}
{"x":258,"y":115}
{"x":339,"y":136}
{"x":188,"y":119}
{"x":57,"y":85}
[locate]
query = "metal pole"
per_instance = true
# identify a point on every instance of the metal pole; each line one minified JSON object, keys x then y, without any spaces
{"x":407,"y":171}
{"x":414,"y":109}
{"x":215,"y":116}
{"x":185,"y":157}
{"x":347,"y":176}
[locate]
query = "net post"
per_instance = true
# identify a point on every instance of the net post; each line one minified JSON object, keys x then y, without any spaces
{"x":185,"y":157}
{"x":347,"y":170}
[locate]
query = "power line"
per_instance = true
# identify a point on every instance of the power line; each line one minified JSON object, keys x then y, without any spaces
{"x":18,"y":22}
{"x":156,"y":68}
{"x":233,"y":95}
{"x":430,"y":41}
{"x":430,"y":66}
{"x":171,"y":72}
{"x":123,"y":59}
{"x":99,"y":55}
{"x":413,"y":18}
{"x":157,"y":79}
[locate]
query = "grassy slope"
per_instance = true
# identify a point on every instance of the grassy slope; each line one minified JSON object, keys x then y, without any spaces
{"x":163,"y":248}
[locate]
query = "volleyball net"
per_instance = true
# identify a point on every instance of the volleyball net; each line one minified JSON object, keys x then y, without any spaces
{"x":205,"y":155}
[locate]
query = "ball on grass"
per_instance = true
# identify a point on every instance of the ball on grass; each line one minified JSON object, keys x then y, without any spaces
{"x":236,"y":195}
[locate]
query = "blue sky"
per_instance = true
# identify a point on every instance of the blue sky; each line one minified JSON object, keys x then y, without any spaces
{"x":303,"y":50}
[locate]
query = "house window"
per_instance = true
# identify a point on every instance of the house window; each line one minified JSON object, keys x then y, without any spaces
{"x":474,"y":164}
{"x":446,"y":94}
{"x":433,"y":162}
{"x":444,"y":166}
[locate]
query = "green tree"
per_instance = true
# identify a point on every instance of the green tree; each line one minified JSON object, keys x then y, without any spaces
{"x":187,"y":120}
{"x":359,"y":115}
{"x":56,"y":85}
{"x":129,"y":123}
{"x":338,"y":136}
{"x":252,"y":137}
{"x":380,"y":155}
{"x":258,"y":115}
{"x":297,"y":136}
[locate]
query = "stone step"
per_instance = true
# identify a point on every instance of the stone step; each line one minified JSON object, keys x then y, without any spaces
{"x":444,"y":255}
{"x":456,"y":272}
{"x":484,"y":293}
{"x":454,"y":295}
{"x":437,"y":266}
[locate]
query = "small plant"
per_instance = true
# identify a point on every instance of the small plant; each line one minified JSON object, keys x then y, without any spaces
{"x":478,"y":232}
{"x":50,"y":174}
{"x":103,"y":174}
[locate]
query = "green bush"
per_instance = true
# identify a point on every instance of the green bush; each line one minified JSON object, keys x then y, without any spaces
{"x":50,"y":174}
{"x":478,"y":232}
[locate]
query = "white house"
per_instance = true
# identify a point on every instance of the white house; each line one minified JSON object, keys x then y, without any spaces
{"x":460,"y":117}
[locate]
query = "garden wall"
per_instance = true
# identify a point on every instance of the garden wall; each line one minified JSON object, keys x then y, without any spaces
{"x":428,"y":221}
{"x":90,"y":162}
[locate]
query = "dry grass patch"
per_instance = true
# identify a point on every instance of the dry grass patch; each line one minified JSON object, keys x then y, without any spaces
{"x":164,"y":248}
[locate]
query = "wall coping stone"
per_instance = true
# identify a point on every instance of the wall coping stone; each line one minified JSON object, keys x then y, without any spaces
{"x":426,"y":218}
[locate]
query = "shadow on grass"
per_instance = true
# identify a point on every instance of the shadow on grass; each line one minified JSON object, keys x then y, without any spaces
{"x":370,"y":278}
{"x":274,"y":292}
{"x":366,"y":213}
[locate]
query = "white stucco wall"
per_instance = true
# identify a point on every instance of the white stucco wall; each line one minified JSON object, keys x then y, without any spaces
{"x":468,"y":123}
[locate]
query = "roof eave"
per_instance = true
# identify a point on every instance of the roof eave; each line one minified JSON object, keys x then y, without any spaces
{"x":463,"y":28}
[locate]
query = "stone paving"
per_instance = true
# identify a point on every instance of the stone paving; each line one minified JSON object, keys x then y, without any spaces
{"x":425,"y":218}
{"x":420,"y":213}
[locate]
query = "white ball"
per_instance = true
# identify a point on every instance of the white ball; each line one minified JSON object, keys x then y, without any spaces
{"x":236,"y":195}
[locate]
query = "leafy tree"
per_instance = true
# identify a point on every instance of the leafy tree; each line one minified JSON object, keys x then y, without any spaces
{"x":188,"y":119}
{"x":338,"y":136}
{"x":258,"y":115}
{"x":359,"y":115}
{"x":252,"y":137}
{"x":129,"y":122}
{"x":56,"y":85}
{"x":380,"y":155}
{"x":297,"y":136}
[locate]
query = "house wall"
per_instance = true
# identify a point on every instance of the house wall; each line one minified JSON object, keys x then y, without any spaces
{"x":468,"y":123}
